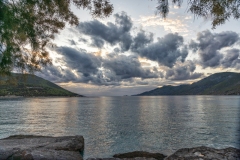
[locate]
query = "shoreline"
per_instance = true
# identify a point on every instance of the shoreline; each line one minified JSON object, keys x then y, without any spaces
{"x":14,"y":96}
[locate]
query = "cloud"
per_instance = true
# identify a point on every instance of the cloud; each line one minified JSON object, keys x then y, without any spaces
{"x":72,"y":42}
{"x":97,"y":42}
{"x":75,"y":66}
{"x":231,"y":59}
{"x":80,"y":60}
{"x":83,"y":40}
{"x":209,"y":46}
{"x":182,"y":71}
{"x":166,"y":51}
{"x":78,"y":66}
{"x":57,"y":74}
{"x":147,"y":61}
{"x":141,"y":40}
{"x":86,"y":67}
{"x":124,"y":21}
{"x":127,"y":67}
{"x":111,"y":33}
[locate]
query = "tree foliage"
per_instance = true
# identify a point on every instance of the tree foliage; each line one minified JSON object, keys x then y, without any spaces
{"x":218,"y":11}
{"x":27,"y":27}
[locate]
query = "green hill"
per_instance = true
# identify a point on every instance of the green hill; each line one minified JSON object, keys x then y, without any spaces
{"x":225,"y":83}
{"x":28,"y":85}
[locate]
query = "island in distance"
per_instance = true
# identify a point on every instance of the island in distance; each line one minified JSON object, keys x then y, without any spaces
{"x":28,"y":85}
{"x":225,"y":83}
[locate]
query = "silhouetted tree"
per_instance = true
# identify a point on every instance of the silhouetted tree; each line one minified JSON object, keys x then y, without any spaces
{"x":27,"y":26}
{"x":218,"y":11}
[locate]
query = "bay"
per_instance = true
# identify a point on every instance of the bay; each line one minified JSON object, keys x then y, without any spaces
{"x":113,"y":125}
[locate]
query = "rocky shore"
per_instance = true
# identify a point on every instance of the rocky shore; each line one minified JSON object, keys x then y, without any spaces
{"x":70,"y":148}
{"x":41,"y":148}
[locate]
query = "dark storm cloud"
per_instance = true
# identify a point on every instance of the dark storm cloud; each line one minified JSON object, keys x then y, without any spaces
{"x":231,"y":59}
{"x":80,"y":66}
{"x":97,"y":42}
{"x":76,"y":66}
{"x":57,"y":74}
{"x":141,"y":40}
{"x":183,"y":72}
{"x":111,"y":33}
{"x":80,"y":60}
{"x":116,"y":50}
{"x":127,"y":67}
{"x":209,"y":44}
{"x":118,"y":33}
{"x":166,"y":51}
{"x":117,"y":67}
{"x":124,"y":21}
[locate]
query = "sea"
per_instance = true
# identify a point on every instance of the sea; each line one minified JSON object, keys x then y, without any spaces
{"x":113,"y":125}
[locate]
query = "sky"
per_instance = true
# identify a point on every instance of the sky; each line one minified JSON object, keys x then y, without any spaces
{"x":135,"y":50}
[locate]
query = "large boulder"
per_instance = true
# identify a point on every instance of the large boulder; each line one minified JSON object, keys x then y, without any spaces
{"x":41,"y":147}
{"x":205,"y":153}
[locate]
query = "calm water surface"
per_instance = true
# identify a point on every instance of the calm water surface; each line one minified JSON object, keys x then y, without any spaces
{"x":121,"y":124}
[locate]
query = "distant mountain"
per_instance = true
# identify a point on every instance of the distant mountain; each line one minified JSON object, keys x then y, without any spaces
{"x":225,"y":83}
{"x":30,"y":86}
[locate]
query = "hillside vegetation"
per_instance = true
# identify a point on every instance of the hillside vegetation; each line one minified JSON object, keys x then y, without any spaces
{"x":226,"y":83}
{"x":28,"y":85}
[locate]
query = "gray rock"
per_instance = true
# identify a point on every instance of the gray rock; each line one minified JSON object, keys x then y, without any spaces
{"x":40,"y":147}
{"x":197,"y":153}
{"x":135,"y":154}
{"x":205,"y":153}
{"x":136,"y":158}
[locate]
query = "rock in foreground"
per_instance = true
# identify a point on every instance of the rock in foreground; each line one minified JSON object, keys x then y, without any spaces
{"x":136,"y":155}
{"x":157,"y":156}
{"x":205,"y":153}
{"x":135,"y":158}
{"x":197,"y":153}
{"x":40,"y":147}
